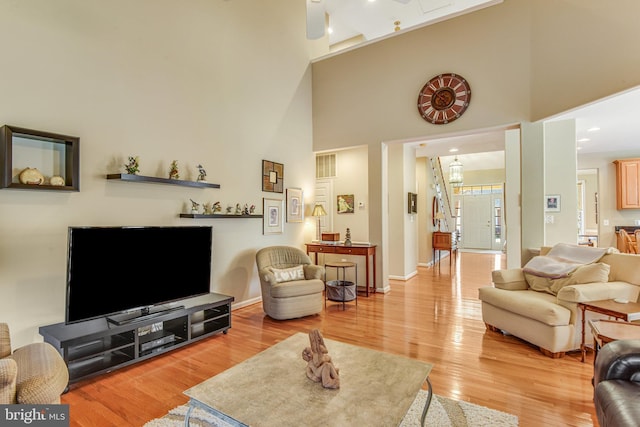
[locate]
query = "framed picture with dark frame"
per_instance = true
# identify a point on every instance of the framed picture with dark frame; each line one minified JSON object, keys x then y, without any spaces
{"x":272,"y":176}
{"x":345,"y":203}
{"x":295,"y":205}
{"x":552,"y":203}
{"x":412,"y":203}
{"x":272,"y":216}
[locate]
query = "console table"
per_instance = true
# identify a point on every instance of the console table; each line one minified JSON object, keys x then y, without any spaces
{"x":444,"y":240}
{"x":355,"y":249}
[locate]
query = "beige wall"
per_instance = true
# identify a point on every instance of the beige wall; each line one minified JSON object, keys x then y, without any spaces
{"x":518,"y":58}
{"x":222,"y":83}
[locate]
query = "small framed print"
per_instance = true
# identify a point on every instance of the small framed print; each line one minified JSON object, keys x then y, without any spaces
{"x":272,"y":217}
{"x":552,"y":203}
{"x":272,"y":176}
{"x":295,"y":205}
{"x":345,"y":203}
{"x":412,"y":203}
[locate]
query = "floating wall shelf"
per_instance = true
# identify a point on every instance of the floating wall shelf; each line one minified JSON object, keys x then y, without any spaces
{"x":217,"y":216}
{"x":156,"y":180}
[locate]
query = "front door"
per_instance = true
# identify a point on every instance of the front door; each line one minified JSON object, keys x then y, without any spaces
{"x":476,"y":221}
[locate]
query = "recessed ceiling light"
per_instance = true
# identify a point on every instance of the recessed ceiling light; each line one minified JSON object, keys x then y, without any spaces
{"x":578,"y":148}
{"x":593,"y":129}
{"x":584,"y":140}
{"x":330,"y":30}
{"x":453,"y":150}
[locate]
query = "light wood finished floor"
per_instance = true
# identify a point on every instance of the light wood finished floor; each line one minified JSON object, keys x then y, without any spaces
{"x":432,"y":317}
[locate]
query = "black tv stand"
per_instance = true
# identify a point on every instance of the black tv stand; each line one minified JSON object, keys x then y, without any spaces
{"x":141,"y":315}
{"x":99,"y":346}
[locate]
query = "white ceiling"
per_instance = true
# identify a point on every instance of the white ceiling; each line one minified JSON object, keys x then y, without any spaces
{"x":374,"y":19}
{"x":616,"y":116}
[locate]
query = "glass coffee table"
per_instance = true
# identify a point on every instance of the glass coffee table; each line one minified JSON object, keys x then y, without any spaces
{"x":272,"y":389}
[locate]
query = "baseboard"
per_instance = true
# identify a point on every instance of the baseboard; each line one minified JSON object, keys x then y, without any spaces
{"x":246,"y":303}
{"x":407,"y":277}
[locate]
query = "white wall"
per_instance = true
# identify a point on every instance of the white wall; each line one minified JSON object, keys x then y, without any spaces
{"x":225,"y":84}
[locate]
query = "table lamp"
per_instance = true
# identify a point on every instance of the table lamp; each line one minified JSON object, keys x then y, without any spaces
{"x":439,"y":216}
{"x":318,"y":211}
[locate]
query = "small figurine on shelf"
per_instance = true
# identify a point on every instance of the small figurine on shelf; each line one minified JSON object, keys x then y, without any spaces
{"x":216,"y":208}
{"x":133,"y":167}
{"x":347,"y":239}
{"x":207,"y":209}
{"x":202,"y":174}
{"x":238,"y":209}
{"x":229,"y":209}
{"x":252,"y":209}
{"x":245,"y":210}
{"x":194,"y":206}
{"x":173,"y":171}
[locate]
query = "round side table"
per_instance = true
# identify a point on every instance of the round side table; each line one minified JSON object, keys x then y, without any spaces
{"x":341,"y":290}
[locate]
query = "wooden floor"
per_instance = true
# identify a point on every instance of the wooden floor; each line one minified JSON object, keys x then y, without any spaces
{"x":432,"y":317}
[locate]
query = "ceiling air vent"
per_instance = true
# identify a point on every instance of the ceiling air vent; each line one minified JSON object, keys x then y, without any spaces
{"x":325,"y":166}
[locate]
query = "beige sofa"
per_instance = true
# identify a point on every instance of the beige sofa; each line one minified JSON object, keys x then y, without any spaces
{"x":32,"y":374}
{"x":291,"y":285}
{"x":553,"y":322}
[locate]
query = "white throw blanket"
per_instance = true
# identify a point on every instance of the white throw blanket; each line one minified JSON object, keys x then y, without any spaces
{"x":563,"y":259}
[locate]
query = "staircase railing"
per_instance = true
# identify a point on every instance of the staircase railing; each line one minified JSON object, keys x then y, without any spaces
{"x":442,"y":196}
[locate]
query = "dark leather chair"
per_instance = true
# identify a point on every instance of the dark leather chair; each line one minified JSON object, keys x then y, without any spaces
{"x":616,"y":383}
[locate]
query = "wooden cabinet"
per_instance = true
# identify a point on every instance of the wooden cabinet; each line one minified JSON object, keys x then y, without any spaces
{"x":627,"y":184}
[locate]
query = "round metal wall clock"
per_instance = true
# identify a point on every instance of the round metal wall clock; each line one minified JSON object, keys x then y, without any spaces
{"x":444,"y":98}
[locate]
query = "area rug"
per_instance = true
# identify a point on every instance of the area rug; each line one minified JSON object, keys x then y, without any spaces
{"x":443,"y":412}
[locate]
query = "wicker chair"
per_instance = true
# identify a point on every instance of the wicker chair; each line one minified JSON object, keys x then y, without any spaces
{"x":32,"y":374}
{"x":285,"y":294}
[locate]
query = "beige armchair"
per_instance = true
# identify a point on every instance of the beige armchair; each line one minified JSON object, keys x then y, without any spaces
{"x":291,"y":285}
{"x":33,"y":374}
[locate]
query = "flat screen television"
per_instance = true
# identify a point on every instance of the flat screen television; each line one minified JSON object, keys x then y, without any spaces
{"x":117,"y":270}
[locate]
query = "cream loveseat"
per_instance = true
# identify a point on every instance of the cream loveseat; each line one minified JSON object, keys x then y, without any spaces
{"x":543,"y":311}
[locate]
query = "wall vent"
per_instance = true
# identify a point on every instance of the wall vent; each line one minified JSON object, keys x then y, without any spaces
{"x":326,"y":166}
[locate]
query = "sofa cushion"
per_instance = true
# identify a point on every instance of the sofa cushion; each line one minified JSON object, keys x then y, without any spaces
{"x":539,"y":306}
{"x":288,"y":274}
{"x":297,"y":288}
{"x":590,"y":273}
{"x":598,"y":291}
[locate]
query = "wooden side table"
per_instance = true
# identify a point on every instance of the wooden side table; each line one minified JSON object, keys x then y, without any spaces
{"x":627,"y":312}
{"x":606,"y":331}
{"x":444,"y":241}
{"x":341,"y":290}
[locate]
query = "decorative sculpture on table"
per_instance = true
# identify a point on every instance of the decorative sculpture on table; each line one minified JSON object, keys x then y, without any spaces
{"x":207,"y":210}
{"x":173,"y":170}
{"x":202,"y":174}
{"x":217,"y":208}
{"x":238,"y":209}
{"x":252,"y":209}
{"x":320,"y":368}
{"x":133,"y":167}
{"x":347,"y":239}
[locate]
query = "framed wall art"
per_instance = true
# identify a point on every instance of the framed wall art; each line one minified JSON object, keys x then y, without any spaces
{"x":345,"y":203}
{"x":295,"y":205}
{"x":272,"y":176}
{"x":412,"y":203}
{"x":552,"y":203}
{"x":272,"y":216}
